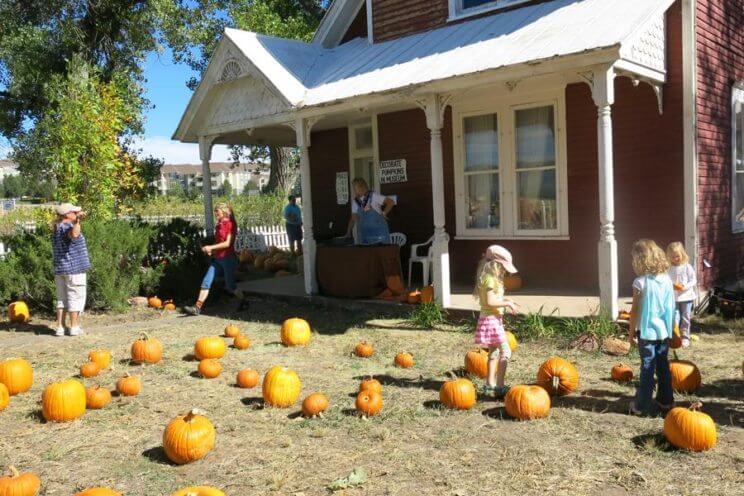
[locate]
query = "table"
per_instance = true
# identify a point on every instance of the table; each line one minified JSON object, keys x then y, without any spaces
{"x":357,"y":271}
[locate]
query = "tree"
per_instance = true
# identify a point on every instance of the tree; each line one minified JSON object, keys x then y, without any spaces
{"x":227,"y":189}
{"x":14,"y":186}
{"x":250,"y":186}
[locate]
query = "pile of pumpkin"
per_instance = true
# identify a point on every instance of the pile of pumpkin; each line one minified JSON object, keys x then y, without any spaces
{"x":423,"y":295}
{"x":274,"y":260}
{"x":158,"y":304}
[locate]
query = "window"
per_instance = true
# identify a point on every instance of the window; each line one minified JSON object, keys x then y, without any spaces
{"x":483,"y":195}
{"x":465,"y":8}
{"x":737,"y":154}
{"x":363,"y":153}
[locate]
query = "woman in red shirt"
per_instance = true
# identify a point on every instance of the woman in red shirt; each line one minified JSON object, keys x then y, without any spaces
{"x":224,"y":259}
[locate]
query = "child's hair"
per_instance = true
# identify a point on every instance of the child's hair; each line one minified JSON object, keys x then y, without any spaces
{"x":225,"y":208}
{"x":487,"y":268}
{"x":678,"y":249}
{"x":648,"y":258}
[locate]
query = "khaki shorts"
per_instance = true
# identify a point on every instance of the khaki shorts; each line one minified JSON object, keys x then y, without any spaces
{"x":71,"y":291}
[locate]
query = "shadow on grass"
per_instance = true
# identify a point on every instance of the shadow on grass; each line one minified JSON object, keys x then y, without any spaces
{"x":36,"y":329}
{"x":595,"y":400}
{"x":723,"y":413}
{"x":195,"y":374}
{"x":434,"y":405}
{"x":189,"y":357}
{"x":157,"y":455}
{"x":401,"y":382}
{"x":498,"y":413}
{"x":253,"y":401}
{"x":723,"y":388}
{"x":652,"y":441}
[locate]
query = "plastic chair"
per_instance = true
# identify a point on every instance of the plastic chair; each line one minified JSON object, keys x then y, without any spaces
{"x":399,"y":239}
{"x":425,"y":261}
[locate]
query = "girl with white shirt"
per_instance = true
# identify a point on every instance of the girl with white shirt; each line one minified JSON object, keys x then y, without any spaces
{"x":685,"y":281}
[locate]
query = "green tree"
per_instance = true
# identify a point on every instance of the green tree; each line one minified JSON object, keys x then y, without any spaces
{"x":14,"y":186}
{"x":227,"y":189}
{"x":250,"y":186}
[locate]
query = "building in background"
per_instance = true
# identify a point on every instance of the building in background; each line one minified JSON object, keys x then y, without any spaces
{"x":186,"y":177}
{"x":8,"y":168}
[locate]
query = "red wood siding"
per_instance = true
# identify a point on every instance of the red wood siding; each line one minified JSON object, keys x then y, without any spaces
{"x":720,"y":62}
{"x":329,"y":153}
{"x":358,"y":27}
{"x":395,"y":18}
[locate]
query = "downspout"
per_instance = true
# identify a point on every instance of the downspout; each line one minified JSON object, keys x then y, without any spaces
{"x":690,"y":152}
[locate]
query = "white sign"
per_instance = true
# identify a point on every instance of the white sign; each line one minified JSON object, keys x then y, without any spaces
{"x":342,"y":188}
{"x":393,"y":171}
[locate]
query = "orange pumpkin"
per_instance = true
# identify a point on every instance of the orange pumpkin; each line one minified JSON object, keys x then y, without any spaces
{"x":247,"y":379}
{"x":690,"y":429}
{"x":676,"y":341}
{"x":414,"y":297}
{"x":231,"y":330}
{"x":18,"y":484}
{"x":245,"y":257}
{"x":314,"y":405}
{"x":209,"y":368}
{"x":209,"y":347}
{"x":259,"y":261}
{"x":63,"y":401}
{"x":558,"y":376}
{"x":404,"y":360}
{"x":101,"y":357}
{"x":241,"y":342}
{"x":369,"y":403}
{"x":621,"y":373}
{"x":370,"y":384}
{"x":4,"y":397}
{"x":98,"y":491}
{"x":512,"y":282}
{"x":685,"y":376}
{"x":364,"y":350}
{"x":199,"y":491}
{"x":129,"y":385}
{"x":97,"y":397}
{"x":146,"y":350}
{"x":476,"y":363}
{"x":427,"y":294}
{"x":18,"y":312}
{"x":154,"y":302}
{"x":17,"y":375}
{"x":90,"y":369}
{"x":525,"y":402}
{"x":281,"y":387}
{"x":295,"y":332}
{"x":169,"y":305}
{"x":458,"y":394}
{"x":188,"y":438}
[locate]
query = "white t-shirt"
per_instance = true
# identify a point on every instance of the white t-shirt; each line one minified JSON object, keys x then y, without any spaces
{"x":376,"y":201}
{"x":685,"y":275}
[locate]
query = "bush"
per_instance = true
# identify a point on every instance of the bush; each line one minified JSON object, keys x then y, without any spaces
{"x":27,"y":272}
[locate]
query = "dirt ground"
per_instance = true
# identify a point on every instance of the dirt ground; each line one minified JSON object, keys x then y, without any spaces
{"x":588,"y":445}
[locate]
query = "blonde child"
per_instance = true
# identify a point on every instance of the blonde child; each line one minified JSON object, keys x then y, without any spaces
{"x":490,"y":333}
{"x":651,"y":324}
{"x":684,"y":280}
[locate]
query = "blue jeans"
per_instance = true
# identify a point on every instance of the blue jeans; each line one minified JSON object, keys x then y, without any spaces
{"x":654,"y":360}
{"x":225,"y":266}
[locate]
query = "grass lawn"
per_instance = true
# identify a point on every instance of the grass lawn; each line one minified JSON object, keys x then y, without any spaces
{"x":588,"y":445}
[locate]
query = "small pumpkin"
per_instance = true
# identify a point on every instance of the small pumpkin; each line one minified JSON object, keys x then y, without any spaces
{"x":676,"y":341}
{"x":209,"y":347}
{"x":558,"y":376}
{"x":368,"y":403}
{"x":314,"y":405}
{"x":512,"y":340}
{"x":18,"y":484}
{"x":199,"y":491}
{"x":259,"y":261}
{"x":169,"y":306}
{"x":512,"y":282}
{"x":17,"y":375}
{"x":241,"y":342}
{"x":18,"y":312}
{"x":154,"y":302}
{"x":4,"y":397}
{"x":63,"y":401}
{"x":527,"y":402}
{"x":231,"y":330}
{"x":281,"y":387}
{"x":364,"y":350}
{"x":476,"y":362}
{"x":97,"y":397}
{"x":146,"y":350}
{"x":427,"y":294}
{"x":295,"y":332}
{"x":370,"y":384}
{"x":404,"y":360}
{"x":458,"y":394}
{"x":90,"y":369}
{"x":129,"y":385}
{"x":685,"y":376}
{"x":414,"y":297}
{"x":621,"y":373}
{"x":101,"y":357}
{"x":281,"y":264}
{"x":245,"y":257}
{"x":98,"y":491}
{"x":247,"y":379}
{"x":188,"y":438}
{"x":209,"y":368}
{"x":690,"y":429}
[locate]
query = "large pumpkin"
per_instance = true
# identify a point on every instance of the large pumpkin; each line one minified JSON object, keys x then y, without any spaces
{"x":458,"y":394}
{"x":199,"y":491}
{"x":98,"y":491}
{"x":476,"y":362}
{"x":63,"y":401}
{"x":18,"y":312}
{"x":4,"y":397}
{"x":18,"y":484}
{"x":295,"y":332}
{"x":527,"y":402}
{"x":209,"y":347}
{"x":209,"y":368}
{"x":427,"y":294}
{"x":247,"y":379}
{"x":17,"y":375}
{"x":621,"y":373}
{"x":281,"y":387}
{"x":314,"y":405}
{"x":154,"y":302}
{"x":147,"y":350}
{"x":368,"y":403}
{"x":558,"y":376}
{"x":97,"y":397}
{"x":690,"y":429}
{"x":101,"y":357}
{"x":188,"y":438}
{"x":685,"y":376}
{"x":245,"y":257}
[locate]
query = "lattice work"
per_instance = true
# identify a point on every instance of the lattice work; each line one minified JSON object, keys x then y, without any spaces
{"x":649,"y":49}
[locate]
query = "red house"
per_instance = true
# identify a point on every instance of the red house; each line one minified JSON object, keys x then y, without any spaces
{"x":562,"y":129}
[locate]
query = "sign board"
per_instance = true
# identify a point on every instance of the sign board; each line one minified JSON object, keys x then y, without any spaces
{"x":393,"y":171}
{"x":9,"y":205}
{"x":342,"y":188}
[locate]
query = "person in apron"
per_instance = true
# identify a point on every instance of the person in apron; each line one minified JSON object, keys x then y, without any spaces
{"x":369,"y":210}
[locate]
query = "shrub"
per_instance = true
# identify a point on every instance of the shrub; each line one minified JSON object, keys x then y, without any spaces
{"x":426,"y":315}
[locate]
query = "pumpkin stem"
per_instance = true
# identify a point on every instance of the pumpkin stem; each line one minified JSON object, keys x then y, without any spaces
{"x":14,"y":472}
{"x":193,"y":413}
{"x":144,"y":336}
{"x":695,"y":407}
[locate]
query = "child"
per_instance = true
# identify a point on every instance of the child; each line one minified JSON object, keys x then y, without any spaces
{"x":489,"y":289}
{"x":651,"y":323}
{"x":684,"y":279}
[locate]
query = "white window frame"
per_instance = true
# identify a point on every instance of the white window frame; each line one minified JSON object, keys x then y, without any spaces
{"x":366,"y":152}
{"x":508,"y":223}
{"x":737,"y":95}
{"x":457,"y":11}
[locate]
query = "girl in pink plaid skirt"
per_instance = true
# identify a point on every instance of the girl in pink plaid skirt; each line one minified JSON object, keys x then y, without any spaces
{"x":489,"y":332}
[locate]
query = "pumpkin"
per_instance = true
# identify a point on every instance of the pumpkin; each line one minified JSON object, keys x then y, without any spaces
{"x":154,"y":302}
{"x":247,"y":379}
{"x":63,"y":401}
{"x":281,"y":264}
{"x":368,"y":403}
{"x":17,"y":375}
{"x":281,"y":387}
{"x":231,"y":330}
{"x":147,"y":350}
{"x":268,"y":265}
{"x":209,"y":368}
{"x":404,"y":360}
{"x":97,"y":397}
{"x":558,"y":376}
{"x":512,"y":282}
{"x":18,"y":312}
{"x":209,"y":347}
{"x":245,"y":257}
{"x":476,"y":362}
{"x":427,"y":294}
{"x":199,"y":491}
{"x":101,"y":357}
{"x":18,"y":484}
{"x":295,"y":332}
{"x":259,"y":261}
{"x":98,"y":491}
{"x":690,"y":429}
{"x":169,"y":305}
{"x":527,"y":402}
{"x":364,"y":350}
{"x":188,"y":438}
{"x":90,"y":369}
{"x":512,"y":340}
{"x":314,"y":405}
{"x":241,"y":342}
{"x":685,"y":376}
{"x":370,"y":384}
{"x":458,"y":394}
{"x":129,"y":385}
{"x":4,"y":397}
{"x":676,"y":341}
{"x":621,"y":373}
{"x":414,"y":297}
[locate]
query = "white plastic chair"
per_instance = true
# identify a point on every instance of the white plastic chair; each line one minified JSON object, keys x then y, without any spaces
{"x":425,"y":261}
{"x":399,"y":239}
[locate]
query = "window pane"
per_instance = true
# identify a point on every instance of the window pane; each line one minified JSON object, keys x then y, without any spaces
{"x":739,"y":199}
{"x":739,"y":134}
{"x":363,"y":138}
{"x":535,"y":137}
{"x":469,"y":4}
{"x":483,"y":201}
{"x":537,"y":200}
{"x":365,"y":168}
{"x":481,"y":142}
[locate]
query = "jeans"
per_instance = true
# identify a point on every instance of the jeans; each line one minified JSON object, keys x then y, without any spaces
{"x":227,"y":267}
{"x":685,"y":312}
{"x":654,"y":359}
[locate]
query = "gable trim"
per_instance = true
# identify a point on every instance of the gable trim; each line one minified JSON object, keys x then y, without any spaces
{"x":337,"y":20}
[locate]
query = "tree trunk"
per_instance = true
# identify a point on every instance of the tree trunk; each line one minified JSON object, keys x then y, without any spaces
{"x":281,"y":175}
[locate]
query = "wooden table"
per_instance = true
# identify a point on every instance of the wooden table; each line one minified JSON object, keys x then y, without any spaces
{"x":356,"y":271}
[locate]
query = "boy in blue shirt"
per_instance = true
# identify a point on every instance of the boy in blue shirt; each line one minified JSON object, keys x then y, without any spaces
{"x":293,"y":222}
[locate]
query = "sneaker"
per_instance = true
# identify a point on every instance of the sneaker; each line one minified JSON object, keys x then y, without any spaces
{"x":60,"y":331}
{"x":685,"y":343}
{"x":500,"y":392}
{"x":192,"y":310}
{"x":632,"y":410}
{"x":76,"y":331}
{"x":487,"y":390}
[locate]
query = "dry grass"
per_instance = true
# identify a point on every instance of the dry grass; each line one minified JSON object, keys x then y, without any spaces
{"x":588,"y":445}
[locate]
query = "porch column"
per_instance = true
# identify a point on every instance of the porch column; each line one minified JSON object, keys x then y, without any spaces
{"x":434,"y":106}
{"x":302,"y":130}
{"x":603,"y":93}
{"x":205,"y":154}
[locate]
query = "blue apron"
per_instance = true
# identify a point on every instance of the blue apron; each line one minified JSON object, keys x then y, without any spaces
{"x":373,"y":227}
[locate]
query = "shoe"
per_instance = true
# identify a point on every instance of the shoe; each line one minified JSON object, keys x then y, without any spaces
{"x":76,"y":331}
{"x":634,"y":412}
{"x":664,"y":409}
{"x":192,"y":310}
{"x":60,"y":331}
{"x":500,"y":392}
{"x":685,"y":343}
{"x":487,"y":390}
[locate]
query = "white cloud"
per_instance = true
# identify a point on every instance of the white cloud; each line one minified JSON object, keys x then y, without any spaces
{"x":174,"y":152}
